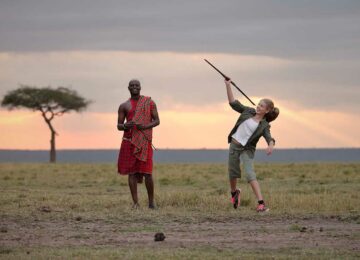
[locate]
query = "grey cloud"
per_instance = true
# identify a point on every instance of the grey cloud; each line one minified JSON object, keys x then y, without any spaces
{"x":321,"y":37}
{"x":311,"y":29}
{"x":184,"y":79}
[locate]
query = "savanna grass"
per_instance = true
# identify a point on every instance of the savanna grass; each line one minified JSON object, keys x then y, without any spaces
{"x":175,"y":253}
{"x":185,"y":194}
{"x":188,"y":190}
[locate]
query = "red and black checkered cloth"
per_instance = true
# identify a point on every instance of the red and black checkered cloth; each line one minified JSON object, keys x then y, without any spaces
{"x":135,"y":156}
{"x":141,"y":139}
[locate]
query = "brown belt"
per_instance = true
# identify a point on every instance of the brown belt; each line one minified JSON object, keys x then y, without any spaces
{"x":233,"y":141}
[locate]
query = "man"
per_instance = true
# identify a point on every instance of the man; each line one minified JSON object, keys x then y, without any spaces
{"x":135,"y":156}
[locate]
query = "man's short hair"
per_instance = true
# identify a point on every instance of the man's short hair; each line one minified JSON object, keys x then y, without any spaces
{"x":133,"y":81}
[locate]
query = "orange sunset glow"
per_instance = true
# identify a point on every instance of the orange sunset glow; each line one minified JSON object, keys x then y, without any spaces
{"x":189,"y":94}
{"x":185,"y":127}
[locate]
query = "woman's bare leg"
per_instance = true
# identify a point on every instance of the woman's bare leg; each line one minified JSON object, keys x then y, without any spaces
{"x":256,"y":189}
{"x":233,"y":182}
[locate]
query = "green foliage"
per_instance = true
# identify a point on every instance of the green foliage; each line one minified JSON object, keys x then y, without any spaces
{"x":59,"y":100}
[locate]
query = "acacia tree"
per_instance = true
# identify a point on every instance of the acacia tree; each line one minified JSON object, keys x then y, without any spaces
{"x":50,"y":102}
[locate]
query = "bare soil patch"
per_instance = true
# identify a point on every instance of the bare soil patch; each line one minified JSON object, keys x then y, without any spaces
{"x":263,"y":232}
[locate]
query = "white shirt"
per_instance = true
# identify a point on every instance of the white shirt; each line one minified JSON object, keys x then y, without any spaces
{"x":245,"y":131}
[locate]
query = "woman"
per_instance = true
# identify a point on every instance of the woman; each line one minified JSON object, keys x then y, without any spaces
{"x":251,"y":125}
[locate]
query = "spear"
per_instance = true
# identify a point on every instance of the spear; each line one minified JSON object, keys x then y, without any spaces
{"x":227,"y":78}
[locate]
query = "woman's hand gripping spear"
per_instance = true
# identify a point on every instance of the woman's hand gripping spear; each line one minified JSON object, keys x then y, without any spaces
{"x":227,"y":78}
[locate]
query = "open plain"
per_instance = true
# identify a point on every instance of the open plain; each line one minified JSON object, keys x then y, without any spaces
{"x":84,"y":211}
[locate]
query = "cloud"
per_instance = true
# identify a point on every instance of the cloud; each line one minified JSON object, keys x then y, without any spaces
{"x":184,"y":78}
{"x":303,"y":54}
{"x":303,"y":29}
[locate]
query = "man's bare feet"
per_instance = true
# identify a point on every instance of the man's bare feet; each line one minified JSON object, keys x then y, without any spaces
{"x":135,"y":206}
{"x":152,"y":206}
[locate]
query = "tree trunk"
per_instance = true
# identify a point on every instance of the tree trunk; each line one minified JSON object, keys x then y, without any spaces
{"x":53,"y":133}
{"x":52,"y":147}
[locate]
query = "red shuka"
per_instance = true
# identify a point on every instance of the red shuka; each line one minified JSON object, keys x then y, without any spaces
{"x":128,"y":163}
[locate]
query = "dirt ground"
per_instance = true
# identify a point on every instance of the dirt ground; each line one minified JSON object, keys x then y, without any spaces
{"x":263,"y":232}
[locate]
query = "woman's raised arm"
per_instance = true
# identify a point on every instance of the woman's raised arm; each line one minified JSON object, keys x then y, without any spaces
{"x":229,"y":92}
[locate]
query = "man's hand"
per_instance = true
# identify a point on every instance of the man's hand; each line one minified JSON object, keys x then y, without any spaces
{"x":270,"y":148}
{"x":141,"y":126}
{"x":129,"y":124}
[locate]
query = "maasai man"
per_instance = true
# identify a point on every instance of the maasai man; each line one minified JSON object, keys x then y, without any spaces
{"x":135,"y":156}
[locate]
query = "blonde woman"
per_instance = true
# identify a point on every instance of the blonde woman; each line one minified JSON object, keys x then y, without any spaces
{"x":243,"y":138}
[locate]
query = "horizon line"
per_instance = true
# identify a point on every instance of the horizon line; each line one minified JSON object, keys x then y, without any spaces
{"x":104,"y":149}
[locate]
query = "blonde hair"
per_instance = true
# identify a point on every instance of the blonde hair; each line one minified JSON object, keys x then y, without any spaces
{"x":273,"y":111}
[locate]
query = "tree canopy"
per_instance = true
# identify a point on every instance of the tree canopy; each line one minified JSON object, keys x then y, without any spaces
{"x":50,"y":102}
{"x":57,"y":101}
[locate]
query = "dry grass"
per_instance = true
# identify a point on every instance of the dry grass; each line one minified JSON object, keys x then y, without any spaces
{"x":186,"y":190}
{"x":185,"y":193}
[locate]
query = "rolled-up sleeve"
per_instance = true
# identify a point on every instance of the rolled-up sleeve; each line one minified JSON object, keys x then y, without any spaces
{"x":267,"y":135}
{"x":237,"y":106}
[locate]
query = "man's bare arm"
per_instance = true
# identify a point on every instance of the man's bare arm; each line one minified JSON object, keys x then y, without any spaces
{"x":155,"y":117}
{"x":121,"y":125}
{"x":121,"y":118}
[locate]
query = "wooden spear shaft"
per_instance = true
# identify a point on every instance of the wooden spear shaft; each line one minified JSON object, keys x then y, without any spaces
{"x":232,"y":83}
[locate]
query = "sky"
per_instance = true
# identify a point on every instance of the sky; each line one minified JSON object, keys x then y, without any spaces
{"x":305,"y":55}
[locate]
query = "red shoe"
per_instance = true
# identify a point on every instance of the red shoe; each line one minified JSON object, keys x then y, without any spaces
{"x":262,"y":208}
{"x":235,"y":200}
